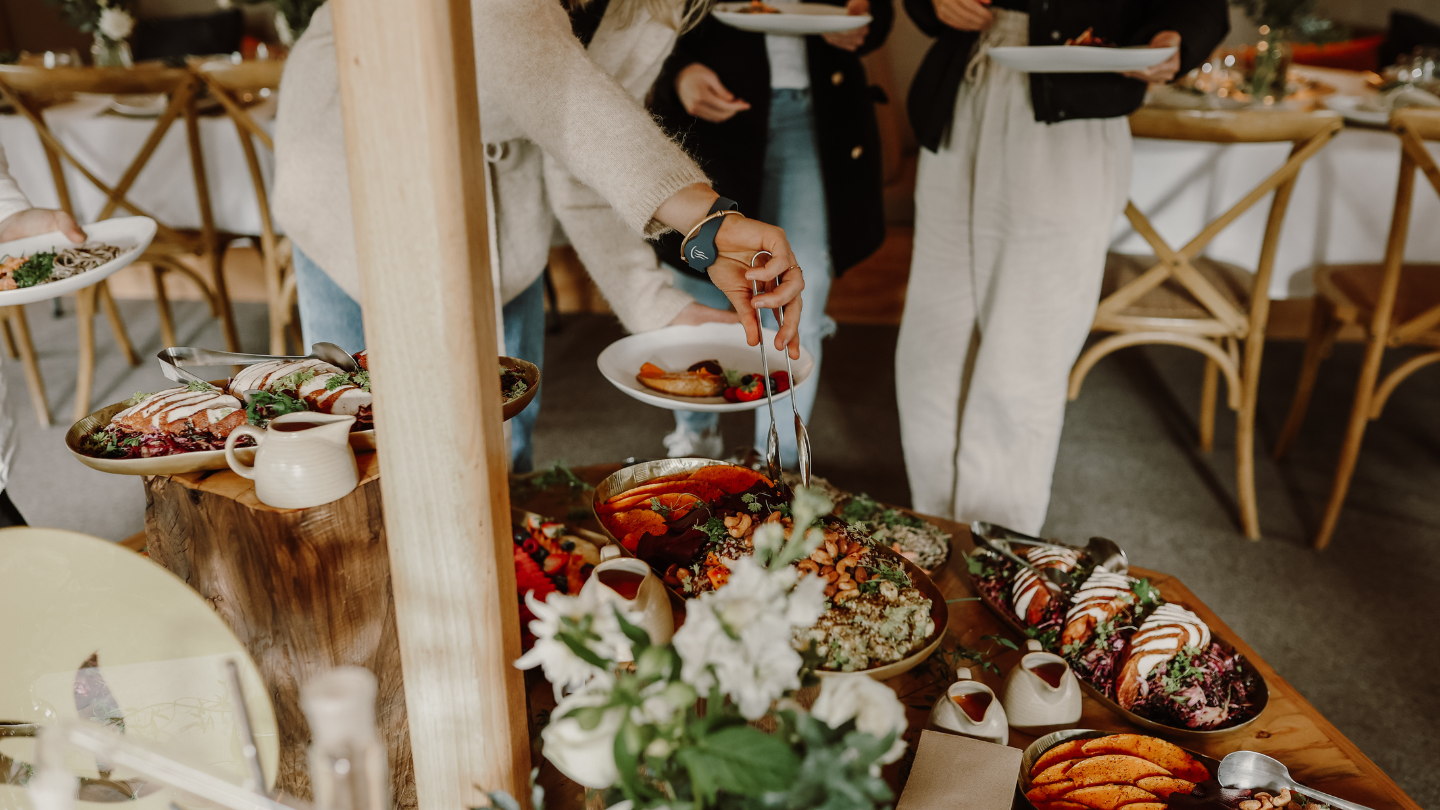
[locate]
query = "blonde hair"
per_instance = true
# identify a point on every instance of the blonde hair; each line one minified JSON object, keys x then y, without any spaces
{"x":681,"y":15}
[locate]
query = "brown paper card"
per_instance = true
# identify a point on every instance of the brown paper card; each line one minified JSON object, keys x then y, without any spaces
{"x":960,"y":773}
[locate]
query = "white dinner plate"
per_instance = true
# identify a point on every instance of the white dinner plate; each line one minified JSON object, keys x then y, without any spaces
{"x":140,"y":105}
{"x":132,"y":234}
{"x":796,"y":18}
{"x":1349,"y":108}
{"x":676,"y":348}
{"x":1078,"y":58}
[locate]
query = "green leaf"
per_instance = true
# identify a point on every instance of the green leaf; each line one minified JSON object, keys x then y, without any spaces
{"x":36,"y":269}
{"x":578,"y":647}
{"x":639,"y":639}
{"x":743,"y":760}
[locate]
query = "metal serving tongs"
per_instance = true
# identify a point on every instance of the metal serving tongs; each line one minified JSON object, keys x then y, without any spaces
{"x":802,"y":436}
{"x":772,"y":441}
{"x":174,"y":358}
{"x":1107,"y":553}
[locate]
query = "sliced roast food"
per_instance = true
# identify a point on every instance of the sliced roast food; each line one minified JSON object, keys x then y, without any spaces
{"x":1164,"y":786}
{"x":1031,"y":596}
{"x":1166,"y":754}
{"x":1072,"y":749}
{"x":699,"y":383}
{"x":197,"y":417}
{"x":1109,"y":797}
{"x":1112,"y":769}
{"x":1109,"y":772}
{"x":321,"y":386}
{"x":1055,"y":773}
{"x":1050,"y":791}
{"x":1102,"y":597}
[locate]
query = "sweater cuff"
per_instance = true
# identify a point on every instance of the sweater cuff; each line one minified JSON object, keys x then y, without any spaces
{"x":642,"y":216}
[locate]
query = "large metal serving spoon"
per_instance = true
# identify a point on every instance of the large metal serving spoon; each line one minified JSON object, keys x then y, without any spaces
{"x":174,"y":358}
{"x":1107,"y":553}
{"x":1251,"y":770}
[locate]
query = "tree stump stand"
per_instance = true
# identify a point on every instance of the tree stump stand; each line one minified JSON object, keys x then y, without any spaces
{"x":305,"y":590}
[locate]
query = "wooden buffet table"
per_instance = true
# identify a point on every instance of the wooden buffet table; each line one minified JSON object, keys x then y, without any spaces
{"x":308,"y":589}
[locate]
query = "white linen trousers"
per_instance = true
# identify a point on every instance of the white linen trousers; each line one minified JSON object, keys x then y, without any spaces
{"x":1012,"y":222}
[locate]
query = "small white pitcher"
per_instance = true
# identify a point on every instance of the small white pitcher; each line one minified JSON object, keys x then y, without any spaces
{"x":1032,"y":703}
{"x":301,"y":459}
{"x":651,"y":600}
{"x":948,"y":714}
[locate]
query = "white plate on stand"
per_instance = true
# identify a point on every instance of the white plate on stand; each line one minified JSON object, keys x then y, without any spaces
{"x":676,"y":348}
{"x":1349,"y":109}
{"x":801,"y":19}
{"x":1078,"y":58}
{"x":132,"y":234}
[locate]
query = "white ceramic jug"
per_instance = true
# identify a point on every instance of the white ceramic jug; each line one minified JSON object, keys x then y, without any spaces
{"x":301,"y":459}
{"x":950,"y":716}
{"x":1034,"y":704}
{"x":632,"y":584}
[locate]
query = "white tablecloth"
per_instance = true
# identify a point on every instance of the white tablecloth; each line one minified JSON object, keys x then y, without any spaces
{"x":107,"y":143}
{"x":1339,"y":212}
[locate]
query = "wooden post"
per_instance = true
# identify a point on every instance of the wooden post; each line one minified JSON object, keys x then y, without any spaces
{"x":417,"y":183}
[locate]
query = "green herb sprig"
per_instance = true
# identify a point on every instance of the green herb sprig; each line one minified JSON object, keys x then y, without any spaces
{"x":35,"y":270}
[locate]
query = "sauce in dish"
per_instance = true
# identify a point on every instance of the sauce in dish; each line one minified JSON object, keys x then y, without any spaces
{"x":1050,"y":672}
{"x":625,"y":583}
{"x":974,"y":704}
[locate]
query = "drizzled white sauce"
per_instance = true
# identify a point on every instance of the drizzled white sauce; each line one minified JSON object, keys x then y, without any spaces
{"x":261,"y":376}
{"x":1096,"y":595}
{"x":1027,"y":582}
{"x":1163,"y":634}
{"x":173,"y":405}
{"x":345,"y":399}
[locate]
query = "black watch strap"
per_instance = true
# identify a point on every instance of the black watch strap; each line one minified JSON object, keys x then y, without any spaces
{"x":700,"y":251}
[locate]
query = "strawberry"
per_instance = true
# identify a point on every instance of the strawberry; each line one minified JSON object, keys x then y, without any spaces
{"x":750,"y":388}
{"x":779,"y":381}
{"x":730,"y":394}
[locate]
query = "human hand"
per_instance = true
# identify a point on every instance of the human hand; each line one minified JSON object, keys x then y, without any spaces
{"x":35,"y":221}
{"x":853,"y":39}
{"x":705,"y":97}
{"x":696,"y":313}
{"x":965,"y":15}
{"x":1165,"y":71}
{"x":780,"y":279}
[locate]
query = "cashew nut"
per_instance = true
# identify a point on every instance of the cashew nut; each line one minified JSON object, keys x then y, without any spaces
{"x":830,"y":591}
{"x":732,"y":521}
{"x":1283,"y":799}
{"x":1250,"y":804}
{"x":823,"y":557}
{"x":841,"y":596}
{"x":742,"y":525}
{"x":830,"y":574}
{"x":831,"y":549}
{"x":808,"y":567}
{"x":847,"y":563}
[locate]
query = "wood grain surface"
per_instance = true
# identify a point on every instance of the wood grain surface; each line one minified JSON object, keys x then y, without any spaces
{"x":304,"y":590}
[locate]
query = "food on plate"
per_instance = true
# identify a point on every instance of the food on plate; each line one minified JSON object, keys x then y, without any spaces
{"x":176,"y":420}
{"x":512,"y":384}
{"x":700,"y":380}
{"x":1132,"y":771}
{"x":708,"y":378}
{"x":912,"y":538}
{"x":758,"y":7}
{"x":691,"y":527}
{"x":19,"y":272}
{"x":1087,"y":37}
{"x":318,"y":385}
{"x":1120,"y":637}
{"x":548,"y":558}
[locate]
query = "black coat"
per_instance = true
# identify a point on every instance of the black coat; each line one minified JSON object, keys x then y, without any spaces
{"x":733,"y":152}
{"x":1202,"y":24}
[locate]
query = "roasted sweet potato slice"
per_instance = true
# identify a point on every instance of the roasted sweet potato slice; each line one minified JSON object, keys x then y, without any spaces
{"x":1109,"y":797}
{"x":638,"y":496}
{"x":1164,"y":786}
{"x":678,"y":504}
{"x":1054,"y":773}
{"x":1053,"y":791}
{"x":643,"y":521}
{"x":652,"y":370}
{"x":1147,"y":806}
{"x":1167,"y":755}
{"x":1074,"y":749}
{"x":730,"y":478}
{"x":1060,"y":805}
{"x":1112,"y":769}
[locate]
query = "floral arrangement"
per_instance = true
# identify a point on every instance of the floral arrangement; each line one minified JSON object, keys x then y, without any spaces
{"x":109,"y":19}
{"x":637,"y":731}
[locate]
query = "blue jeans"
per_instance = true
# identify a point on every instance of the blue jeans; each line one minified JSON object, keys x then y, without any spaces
{"x":793,"y":197}
{"x":329,"y":314}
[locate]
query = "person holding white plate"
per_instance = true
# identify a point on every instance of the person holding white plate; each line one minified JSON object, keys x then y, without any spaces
{"x":19,"y":219}
{"x":1021,"y":178}
{"x":539,"y":90}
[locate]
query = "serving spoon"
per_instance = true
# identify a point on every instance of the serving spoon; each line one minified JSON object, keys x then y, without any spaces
{"x":1107,"y":553}
{"x":1249,"y":770}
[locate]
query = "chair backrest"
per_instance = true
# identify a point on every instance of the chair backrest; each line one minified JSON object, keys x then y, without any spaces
{"x":43,"y":82}
{"x":1233,"y":126}
{"x":249,"y":76}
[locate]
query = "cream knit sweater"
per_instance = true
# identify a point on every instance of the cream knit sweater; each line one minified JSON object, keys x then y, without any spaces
{"x":555,"y":95}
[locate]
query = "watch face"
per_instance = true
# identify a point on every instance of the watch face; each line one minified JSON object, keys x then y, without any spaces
{"x":697,"y":254}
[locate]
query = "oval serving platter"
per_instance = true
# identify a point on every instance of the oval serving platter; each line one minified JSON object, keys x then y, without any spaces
{"x":1254,"y":680}
{"x":636,"y":475}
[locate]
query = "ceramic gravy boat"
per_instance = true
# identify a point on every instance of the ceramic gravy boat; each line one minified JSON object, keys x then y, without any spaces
{"x":953,"y":711}
{"x":633,"y":586}
{"x":1041,"y":693}
{"x":301,"y":459}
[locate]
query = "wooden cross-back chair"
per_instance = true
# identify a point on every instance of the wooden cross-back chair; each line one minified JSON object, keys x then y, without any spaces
{"x":1396,"y":304}
{"x":230,"y":83}
{"x":1185,"y":300}
{"x":30,"y":89}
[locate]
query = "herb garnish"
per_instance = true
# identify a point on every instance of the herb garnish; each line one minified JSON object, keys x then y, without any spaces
{"x":863,"y":508}
{"x":201,"y":387}
{"x":882,"y":570}
{"x":751,"y":502}
{"x":293,"y":382}
{"x":264,"y":406}
{"x":1181,"y":671}
{"x":36,"y":269}
{"x":1146,"y":593}
{"x":660,"y":509}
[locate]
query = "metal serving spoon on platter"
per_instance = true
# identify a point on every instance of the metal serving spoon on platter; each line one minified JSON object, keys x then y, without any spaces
{"x":173,"y":359}
{"x":1107,"y":553}
{"x":1252,"y":770}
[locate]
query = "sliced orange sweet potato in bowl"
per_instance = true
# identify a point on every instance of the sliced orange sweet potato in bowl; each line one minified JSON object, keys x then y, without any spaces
{"x":730,"y":478}
{"x":1104,"y":769}
{"x":1071,"y":749}
{"x":1165,"y":786}
{"x":1054,"y":773}
{"x":1060,"y":805}
{"x":644,"y":521}
{"x":1109,"y":797}
{"x":1167,"y":755}
{"x":1051,"y":791}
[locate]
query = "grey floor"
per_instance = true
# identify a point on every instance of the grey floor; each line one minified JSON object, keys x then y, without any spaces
{"x":1352,"y":628}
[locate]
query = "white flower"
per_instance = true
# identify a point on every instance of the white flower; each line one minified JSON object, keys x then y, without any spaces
{"x":588,"y":757}
{"x":224,"y":5}
{"x":871,"y":704}
{"x":563,"y":668}
{"x":116,"y":24}
{"x":739,"y":637}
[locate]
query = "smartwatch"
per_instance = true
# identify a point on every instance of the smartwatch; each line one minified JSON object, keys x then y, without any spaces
{"x":699,"y":249}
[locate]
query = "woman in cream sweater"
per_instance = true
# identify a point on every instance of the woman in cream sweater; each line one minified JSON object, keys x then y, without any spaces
{"x":540,"y":91}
